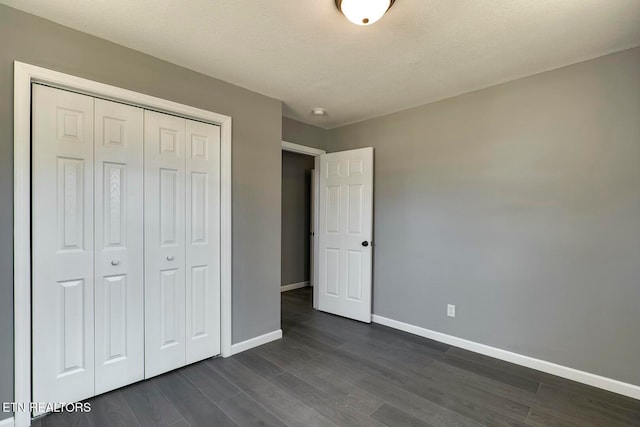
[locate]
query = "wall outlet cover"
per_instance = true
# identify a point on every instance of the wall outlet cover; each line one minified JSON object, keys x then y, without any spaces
{"x":451,"y":310}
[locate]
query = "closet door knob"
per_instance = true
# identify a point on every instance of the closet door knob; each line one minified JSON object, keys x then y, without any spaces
{"x":170,"y":258}
{"x":365,"y":243}
{"x":115,"y":262}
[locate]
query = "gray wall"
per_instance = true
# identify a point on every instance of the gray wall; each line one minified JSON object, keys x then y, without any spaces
{"x":256,"y":159}
{"x":521,"y":205}
{"x":296,"y":217}
{"x":303,"y":134}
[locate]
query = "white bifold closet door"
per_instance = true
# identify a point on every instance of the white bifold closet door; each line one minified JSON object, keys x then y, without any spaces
{"x":164,"y":201}
{"x":119,"y":245}
{"x":62,"y":246}
{"x":203,"y":241}
{"x":87,"y":190}
{"x":182,"y":242}
{"x":126,"y":244}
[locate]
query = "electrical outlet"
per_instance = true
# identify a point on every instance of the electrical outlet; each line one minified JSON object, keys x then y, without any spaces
{"x":451,"y":310}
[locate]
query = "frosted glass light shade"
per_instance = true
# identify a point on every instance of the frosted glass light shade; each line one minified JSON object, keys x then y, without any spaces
{"x":364,"y":12}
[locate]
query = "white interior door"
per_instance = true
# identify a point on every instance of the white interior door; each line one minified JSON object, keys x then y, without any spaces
{"x":62,"y":245}
{"x":119,"y":245}
{"x":203,"y":241}
{"x":164,"y":150}
{"x":345,"y":233}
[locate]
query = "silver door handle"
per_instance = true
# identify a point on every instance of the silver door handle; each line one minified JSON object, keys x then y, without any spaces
{"x":115,"y":262}
{"x":170,"y":258}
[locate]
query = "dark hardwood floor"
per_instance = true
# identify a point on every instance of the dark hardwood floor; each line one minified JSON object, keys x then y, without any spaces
{"x":330,"y":371}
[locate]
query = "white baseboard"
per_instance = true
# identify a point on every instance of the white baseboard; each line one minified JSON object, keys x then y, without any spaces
{"x":292,"y":286}
{"x":626,"y":389}
{"x":7,"y":422}
{"x":255,"y":342}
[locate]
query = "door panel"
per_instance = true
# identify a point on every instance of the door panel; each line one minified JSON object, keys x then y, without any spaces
{"x":119,"y":245}
{"x":62,"y":245}
{"x":169,"y":206}
{"x":72,"y":339}
{"x":203,"y":242}
{"x":115,"y":320}
{"x":170,"y":314}
{"x":354,"y":275}
{"x":164,"y":225}
{"x":345,"y":233}
{"x":356,"y":199}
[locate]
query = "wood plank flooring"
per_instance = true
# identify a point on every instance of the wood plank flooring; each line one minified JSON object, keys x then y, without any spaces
{"x":330,"y":371}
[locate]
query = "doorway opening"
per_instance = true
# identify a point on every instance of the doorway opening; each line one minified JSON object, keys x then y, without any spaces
{"x":299,"y":223}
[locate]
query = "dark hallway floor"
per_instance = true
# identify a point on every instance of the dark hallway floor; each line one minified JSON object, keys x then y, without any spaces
{"x":330,"y":371}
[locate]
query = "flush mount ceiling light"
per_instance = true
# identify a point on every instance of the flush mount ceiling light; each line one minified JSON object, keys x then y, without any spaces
{"x":364,"y":12}
{"x":319,"y":111}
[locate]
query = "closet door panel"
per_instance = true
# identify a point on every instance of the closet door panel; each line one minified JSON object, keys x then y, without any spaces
{"x":119,"y":245}
{"x":164,"y":205}
{"x":203,"y":240}
{"x":62,"y":245}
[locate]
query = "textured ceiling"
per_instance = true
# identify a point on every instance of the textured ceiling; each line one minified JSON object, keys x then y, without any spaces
{"x":307,"y":54}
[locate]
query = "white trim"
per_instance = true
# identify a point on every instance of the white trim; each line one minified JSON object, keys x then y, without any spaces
{"x":256,"y":341}
{"x":316,"y":232}
{"x":615,"y":386}
{"x":7,"y":422}
{"x":312,"y":227}
{"x":22,"y":239}
{"x":292,"y":286}
{"x":301,"y":149}
{"x":226,"y":240}
{"x":24,"y":75}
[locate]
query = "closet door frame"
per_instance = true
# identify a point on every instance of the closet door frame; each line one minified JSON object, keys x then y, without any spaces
{"x":24,"y":76}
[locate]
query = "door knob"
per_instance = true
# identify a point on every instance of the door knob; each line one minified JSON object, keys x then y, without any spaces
{"x":115,"y":262}
{"x":170,"y":258}
{"x":365,"y":243}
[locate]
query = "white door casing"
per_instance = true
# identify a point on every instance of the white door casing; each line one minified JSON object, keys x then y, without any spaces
{"x":203,"y":240}
{"x":315,"y":196}
{"x":312,"y":228}
{"x":315,"y":217}
{"x":164,"y":151}
{"x":345,"y":233}
{"x":63,"y":250}
{"x":119,"y":245}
